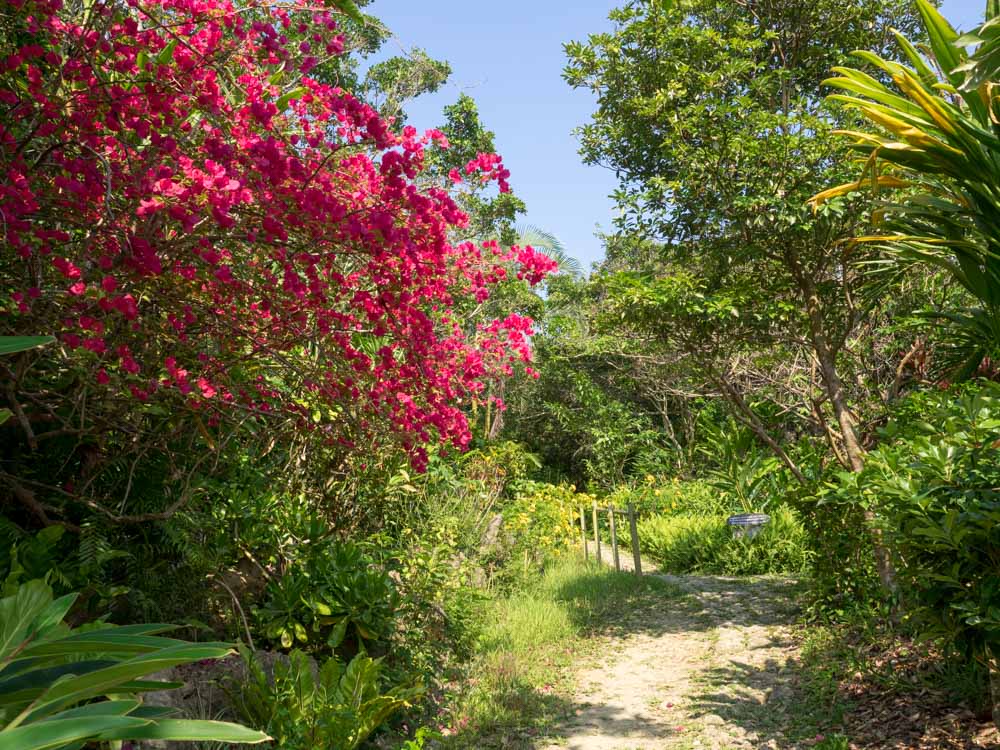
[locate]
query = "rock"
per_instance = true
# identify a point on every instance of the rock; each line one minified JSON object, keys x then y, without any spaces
{"x":492,"y":534}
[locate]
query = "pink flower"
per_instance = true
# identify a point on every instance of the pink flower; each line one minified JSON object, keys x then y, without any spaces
{"x":241,"y":231}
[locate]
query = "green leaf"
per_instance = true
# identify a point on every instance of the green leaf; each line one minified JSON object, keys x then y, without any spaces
{"x":49,"y":735}
{"x":189,"y":730}
{"x":942,"y":38}
{"x":15,"y":344}
{"x":167,"y":53}
{"x":337,"y":634}
{"x":349,"y":9}
{"x":300,"y":632}
{"x":83,"y":687}
{"x":298,"y":93}
{"x":104,"y":708}
{"x":18,"y":612}
{"x":101,"y":641}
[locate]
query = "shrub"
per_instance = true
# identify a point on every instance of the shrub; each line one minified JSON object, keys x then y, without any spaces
{"x":933,"y":486}
{"x":187,"y":315}
{"x":843,"y":580}
{"x":303,"y":708}
{"x":662,"y":495}
{"x":683,"y":544}
{"x":544,"y":518}
{"x":333,"y":592}
{"x":705,"y":544}
{"x":437,"y":603}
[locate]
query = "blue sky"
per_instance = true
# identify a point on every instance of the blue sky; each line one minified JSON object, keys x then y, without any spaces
{"x":509,"y":57}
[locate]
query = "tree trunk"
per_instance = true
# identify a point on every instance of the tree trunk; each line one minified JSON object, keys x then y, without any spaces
{"x":994,"y":663}
{"x":834,"y":387}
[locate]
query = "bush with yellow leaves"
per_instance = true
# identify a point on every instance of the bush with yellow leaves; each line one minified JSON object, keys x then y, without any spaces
{"x":665,"y":495}
{"x":544,"y":518}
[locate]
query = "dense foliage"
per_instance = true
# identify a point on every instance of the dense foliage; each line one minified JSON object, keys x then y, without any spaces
{"x":705,"y":544}
{"x":282,"y":368}
{"x":224,"y":242}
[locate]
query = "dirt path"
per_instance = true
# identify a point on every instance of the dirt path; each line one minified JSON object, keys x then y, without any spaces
{"x":708,"y":670}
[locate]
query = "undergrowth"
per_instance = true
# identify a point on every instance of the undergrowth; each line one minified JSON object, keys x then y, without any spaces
{"x":705,"y":544}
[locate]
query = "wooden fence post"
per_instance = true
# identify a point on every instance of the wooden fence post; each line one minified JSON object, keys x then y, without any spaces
{"x":583,"y":534}
{"x":614,"y":538}
{"x":635,"y":539}
{"x":597,"y":534}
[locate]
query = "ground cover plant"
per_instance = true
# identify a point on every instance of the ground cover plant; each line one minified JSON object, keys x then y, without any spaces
{"x":706,"y":544}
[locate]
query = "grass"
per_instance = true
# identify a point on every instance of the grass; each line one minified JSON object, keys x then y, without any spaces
{"x":705,"y":544}
{"x":518,"y":681}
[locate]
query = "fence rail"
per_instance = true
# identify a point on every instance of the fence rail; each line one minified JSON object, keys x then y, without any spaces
{"x":613,"y":514}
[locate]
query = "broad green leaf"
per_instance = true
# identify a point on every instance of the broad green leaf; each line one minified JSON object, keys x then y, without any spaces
{"x":50,"y":735}
{"x":349,"y":9}
{"x":103,"y":641}
{"x":18,"y":612}
{"x":53,"y":614}
{"x":298,"y":93}
{"x":79,"y":688}
{"x":103,"y":708}
{"x":927,"y":76}
{"x":942,"y":38}
{"x":337,"y":634}
{"x":189,"y":730}
{"x":15,"y":344}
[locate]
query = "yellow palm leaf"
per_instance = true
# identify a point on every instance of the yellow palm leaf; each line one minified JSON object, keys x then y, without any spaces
{"x":908,"y":133}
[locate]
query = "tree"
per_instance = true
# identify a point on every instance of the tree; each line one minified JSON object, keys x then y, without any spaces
{"x":225,"y":245}
{"x":709,"y":114}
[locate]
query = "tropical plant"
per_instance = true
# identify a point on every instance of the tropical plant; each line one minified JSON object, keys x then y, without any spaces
{"x":933,"y":484}
{"x":308,"y":708}
{"x":937,"y":151}
{"x":333,"y":591}
{"x":544,"y":518}
{"x":705,"y":544}
{"x":62,"y":687}
{"x":744,"y":473}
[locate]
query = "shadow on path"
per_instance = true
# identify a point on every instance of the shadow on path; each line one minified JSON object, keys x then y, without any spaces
{"x":703,"y":661}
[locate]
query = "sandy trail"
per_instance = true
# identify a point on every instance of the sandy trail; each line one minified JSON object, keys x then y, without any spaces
{"x":707,"y":670}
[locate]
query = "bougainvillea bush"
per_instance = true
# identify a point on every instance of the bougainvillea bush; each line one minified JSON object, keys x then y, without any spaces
{"x":219,"y":236}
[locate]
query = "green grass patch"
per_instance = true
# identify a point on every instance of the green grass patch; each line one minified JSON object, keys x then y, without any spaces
{"x":705,"y":544}
{"x":518,"y":682}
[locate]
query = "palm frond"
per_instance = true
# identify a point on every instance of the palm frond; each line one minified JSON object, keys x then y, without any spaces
{"x":934,"y":148}
{"x":550,"y":245}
